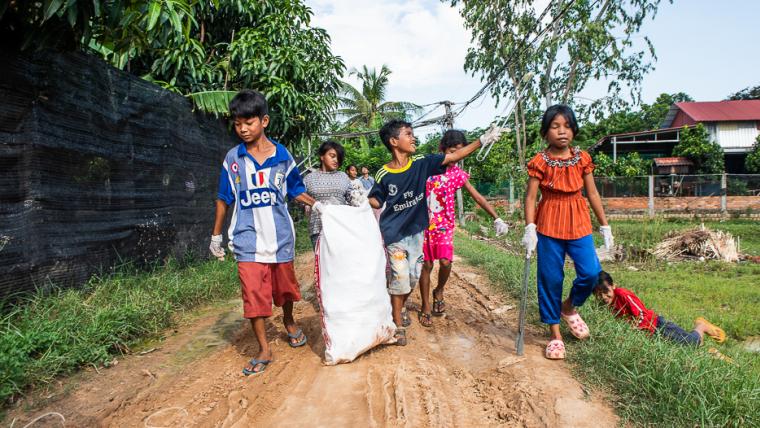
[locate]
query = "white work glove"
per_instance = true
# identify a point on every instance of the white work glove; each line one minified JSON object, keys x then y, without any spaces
{"x":500,"y":227}
{"x":530,"y":239}
{"x":216,"y":247}
{"x":318,"y":207}
{"x":492,"y":135}
{"x":609,"y":240}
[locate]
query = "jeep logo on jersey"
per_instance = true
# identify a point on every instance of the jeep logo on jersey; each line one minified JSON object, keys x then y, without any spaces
{"x":257,"y":198}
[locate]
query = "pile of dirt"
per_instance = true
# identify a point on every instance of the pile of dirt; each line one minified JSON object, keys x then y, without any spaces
{"x":697,"y":244}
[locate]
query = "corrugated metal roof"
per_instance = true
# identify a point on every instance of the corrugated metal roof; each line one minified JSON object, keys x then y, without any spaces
{"x":675,"y":161}
{"x":721,"y":111}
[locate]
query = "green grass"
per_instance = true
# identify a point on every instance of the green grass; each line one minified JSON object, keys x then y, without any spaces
{"x":45,"y":336}
{"x":653,"y":382}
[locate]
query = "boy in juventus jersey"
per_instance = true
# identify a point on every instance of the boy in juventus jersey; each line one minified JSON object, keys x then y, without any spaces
{"x":400,"y":185}
{"x":256,"y":178}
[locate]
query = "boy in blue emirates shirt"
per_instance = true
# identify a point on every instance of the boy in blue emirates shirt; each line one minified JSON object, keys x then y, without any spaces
{"x":400,"y":185}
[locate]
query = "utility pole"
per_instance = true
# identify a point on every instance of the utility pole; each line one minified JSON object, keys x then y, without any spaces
{"x":448,"y":123}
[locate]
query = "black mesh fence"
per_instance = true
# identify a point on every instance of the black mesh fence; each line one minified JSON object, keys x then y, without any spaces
{"x":98,"y":166}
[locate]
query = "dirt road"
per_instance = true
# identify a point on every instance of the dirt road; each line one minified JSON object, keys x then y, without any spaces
{"x":461,"y":372}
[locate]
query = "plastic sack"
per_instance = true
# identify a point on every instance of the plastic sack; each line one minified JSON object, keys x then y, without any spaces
{"x":350,"y":283}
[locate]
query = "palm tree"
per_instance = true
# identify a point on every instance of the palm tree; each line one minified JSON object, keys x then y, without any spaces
{"x":367,"y":108}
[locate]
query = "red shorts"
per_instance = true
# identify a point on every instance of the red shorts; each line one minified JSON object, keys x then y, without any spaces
{"x":262,"y":283}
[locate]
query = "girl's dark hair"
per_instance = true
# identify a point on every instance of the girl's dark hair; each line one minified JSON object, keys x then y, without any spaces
{"x":247,"y":104}
{"x":552,"y":112}
{"x":603,"y":282}
{"x":352,"y":165}
{"x":329,"y":144}
{"x":452,"y":138}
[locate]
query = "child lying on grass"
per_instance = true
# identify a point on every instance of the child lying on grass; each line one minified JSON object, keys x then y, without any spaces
{"x":627,"y":305}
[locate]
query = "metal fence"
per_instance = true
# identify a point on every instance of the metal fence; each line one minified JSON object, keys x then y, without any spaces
{"x":658,"y":194}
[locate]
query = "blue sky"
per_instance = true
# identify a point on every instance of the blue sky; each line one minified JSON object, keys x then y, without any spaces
{"x":704,"y":48}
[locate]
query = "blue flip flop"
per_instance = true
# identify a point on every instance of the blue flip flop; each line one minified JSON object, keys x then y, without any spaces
{"x":253,"y":363}
{"x":296,"y":335}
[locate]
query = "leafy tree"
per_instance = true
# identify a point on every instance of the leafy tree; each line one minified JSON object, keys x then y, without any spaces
{"x":367,"y":107}
{"x":584,"y":41}
{"x":653,"y":115}
{"x":206,"y":50}
{"x":630,"y":165}
{"x":746,"y":94}
{"x":706,"y":155}
{"x":752,"y":162}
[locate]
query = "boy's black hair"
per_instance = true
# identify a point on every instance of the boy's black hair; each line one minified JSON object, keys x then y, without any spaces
{"x":391,"y":129}
{"x":603,"y":282}
{"x":247,"y":104}
{"x":329,"y":144}
{"x":352,"y":165}
{"x":552,"y":112}
{"x":452,"y":138}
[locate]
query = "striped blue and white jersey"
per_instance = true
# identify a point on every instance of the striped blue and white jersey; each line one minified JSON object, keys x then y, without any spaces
{"x":261,"y":229}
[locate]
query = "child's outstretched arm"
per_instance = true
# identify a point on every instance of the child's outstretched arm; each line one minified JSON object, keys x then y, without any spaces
{"x":480,"y":200}
{"x":491,"y":136}
{"x":499,"y":225}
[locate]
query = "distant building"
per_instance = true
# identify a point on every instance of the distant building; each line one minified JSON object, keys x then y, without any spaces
{"x":734,"y":125}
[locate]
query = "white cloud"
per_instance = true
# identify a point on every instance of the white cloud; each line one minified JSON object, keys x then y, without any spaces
{"x":424,"y":43}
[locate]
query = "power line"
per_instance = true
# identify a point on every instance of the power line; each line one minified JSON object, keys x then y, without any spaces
{"x":449,"y":115}
{"x":493,"y":80}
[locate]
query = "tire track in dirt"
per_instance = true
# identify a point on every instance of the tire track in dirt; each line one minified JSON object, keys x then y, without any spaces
{"x":460,"y":372}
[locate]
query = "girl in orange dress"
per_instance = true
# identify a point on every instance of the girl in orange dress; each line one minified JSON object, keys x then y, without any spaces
{"x":561,"y":225}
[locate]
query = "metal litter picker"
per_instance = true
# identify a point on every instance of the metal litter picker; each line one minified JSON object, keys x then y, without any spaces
{"x":519,"y":342}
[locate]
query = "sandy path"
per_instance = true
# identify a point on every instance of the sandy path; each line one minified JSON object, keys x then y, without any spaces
{"x":462,"y":372}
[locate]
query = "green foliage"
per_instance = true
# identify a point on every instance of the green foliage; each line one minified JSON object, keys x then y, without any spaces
{"x":206,"y":50}
{"x":367,"y":108}
{"x":752,"y":162}
{"x":589,"y":41}
{"x":373,"y":158}
{"x":706,"y":155}
{"x":48,"y":335}
{"x":630,"y":165}
{"x":748,"y":93}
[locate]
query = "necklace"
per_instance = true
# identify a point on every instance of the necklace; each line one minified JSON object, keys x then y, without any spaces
{"x":562,"y":163}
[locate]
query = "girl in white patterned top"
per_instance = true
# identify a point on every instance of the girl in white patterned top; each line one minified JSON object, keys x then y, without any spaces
{"x":328,"y":184}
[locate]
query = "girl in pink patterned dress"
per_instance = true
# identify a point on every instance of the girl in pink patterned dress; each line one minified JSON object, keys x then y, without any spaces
{"x":439,"y":236}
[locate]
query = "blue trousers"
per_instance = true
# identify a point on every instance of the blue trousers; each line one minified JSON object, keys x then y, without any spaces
{"x":551,"y":273}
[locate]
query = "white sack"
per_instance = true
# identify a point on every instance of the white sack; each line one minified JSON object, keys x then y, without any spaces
{"x":351,"y":285}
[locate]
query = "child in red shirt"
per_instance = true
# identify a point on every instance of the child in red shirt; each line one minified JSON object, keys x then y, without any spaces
{"x":626,"y":304}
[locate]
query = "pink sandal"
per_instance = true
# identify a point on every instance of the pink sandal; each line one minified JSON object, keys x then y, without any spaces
{"x":577,"y":326}
{"x":555,"y":350}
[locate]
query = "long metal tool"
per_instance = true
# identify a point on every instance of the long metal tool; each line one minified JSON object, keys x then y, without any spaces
{"x":519,"y":342}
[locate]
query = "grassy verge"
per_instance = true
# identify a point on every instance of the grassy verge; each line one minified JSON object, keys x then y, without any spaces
{"x":655,"y":382}
{"x":48,"y":335}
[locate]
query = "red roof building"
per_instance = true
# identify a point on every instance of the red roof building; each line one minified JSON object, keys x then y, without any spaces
{"x":734,"y":125}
